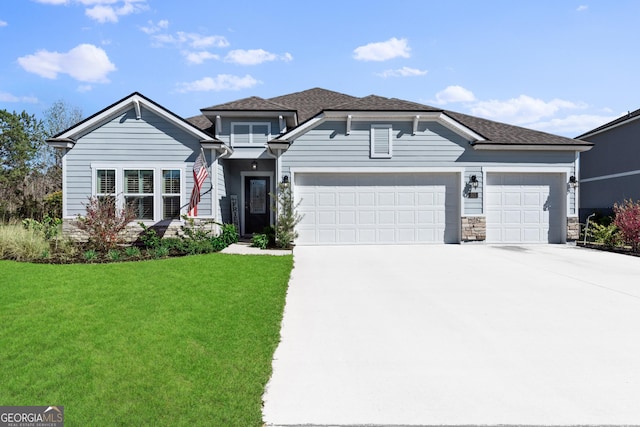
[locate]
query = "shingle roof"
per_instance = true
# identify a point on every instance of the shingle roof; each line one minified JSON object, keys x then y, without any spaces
{"x":201,"y":122}
{"x":311,"y":102}
{"x":612,"y":123}
{"x":502,"y":133}
{"x":253,"y":103}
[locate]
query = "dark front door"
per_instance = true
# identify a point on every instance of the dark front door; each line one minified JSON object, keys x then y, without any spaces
{"x":257,"y":206}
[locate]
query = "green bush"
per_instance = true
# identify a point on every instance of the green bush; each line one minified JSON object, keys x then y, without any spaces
{"x":132,"y":252}
{"x":114,"y":255}
{"x":21,"y":244}
{"x":260,"y":241}
{"x":90,"y":255}
{"x":149,"y":237}
{"x":608,"y":235}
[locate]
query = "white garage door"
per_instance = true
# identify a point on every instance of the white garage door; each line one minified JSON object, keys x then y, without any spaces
{"x":377,"y":208}
{"x":525,"y":208}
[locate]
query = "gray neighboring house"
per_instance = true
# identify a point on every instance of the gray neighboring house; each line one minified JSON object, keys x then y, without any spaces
{"x":366,"y":170}
{"x":610,"y":172}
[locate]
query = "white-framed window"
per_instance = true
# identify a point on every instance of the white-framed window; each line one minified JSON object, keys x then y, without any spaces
{"x":250,"y":134}
{"x":138,"y":192}
{"x":381,"y":141}
{"x":154,"y":192}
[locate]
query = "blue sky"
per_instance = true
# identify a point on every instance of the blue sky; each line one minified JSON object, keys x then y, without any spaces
{"x":561,"y":66}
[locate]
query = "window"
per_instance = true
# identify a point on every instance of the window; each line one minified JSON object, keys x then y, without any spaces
{"x":250,"y":134}
{"x":171,"y":190}
{"x":381,"y":141}
{"x":138,"y":192}
{"x":153,"y":191}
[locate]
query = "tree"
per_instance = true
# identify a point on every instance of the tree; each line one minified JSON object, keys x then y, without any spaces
{"x":21,"y":138}
{"x":57,"y":118}
{"x":287,"y":216}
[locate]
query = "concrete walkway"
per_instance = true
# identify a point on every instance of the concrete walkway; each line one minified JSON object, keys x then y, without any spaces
{"x":458,"y":334}
{"x":242,"y":248}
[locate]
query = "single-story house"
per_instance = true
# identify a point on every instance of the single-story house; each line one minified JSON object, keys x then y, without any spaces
{"x":610,"y":172}
{"x":366,"y":170}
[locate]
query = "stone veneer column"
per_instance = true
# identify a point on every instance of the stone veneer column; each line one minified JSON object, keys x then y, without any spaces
{"x":474,"y":228}
{"x":573,"y":228}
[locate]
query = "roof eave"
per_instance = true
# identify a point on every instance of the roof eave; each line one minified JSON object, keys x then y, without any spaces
{"x":485,"y":146}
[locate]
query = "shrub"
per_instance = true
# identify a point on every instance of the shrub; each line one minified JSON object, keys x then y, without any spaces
{"x":90,"y":255}
{"x":149,"y":237}
{"x":627,"y":219}
{"x":114,"y":255}
{"x":132,"y":252}
{"x":287,"y":217}
{"x":260,"y":241}
{"x":21,"y":244}
{"x":49,"y":227}
{"x":103,"y":223}
{"x":607,"y":235}
{"x":228,"y":234}
{"x":160,"y":252}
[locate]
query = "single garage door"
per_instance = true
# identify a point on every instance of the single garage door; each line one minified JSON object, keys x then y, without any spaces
{"x":525,"y":208}
{"x":379,"y":208}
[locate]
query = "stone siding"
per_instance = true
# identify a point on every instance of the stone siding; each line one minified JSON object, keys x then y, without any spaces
{"x":474,"y":228}
{"x":573,"y":228}
{"x":130,"y":235}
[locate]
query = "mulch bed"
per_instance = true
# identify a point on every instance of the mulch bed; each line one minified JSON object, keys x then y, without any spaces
{"x":601,"y":247}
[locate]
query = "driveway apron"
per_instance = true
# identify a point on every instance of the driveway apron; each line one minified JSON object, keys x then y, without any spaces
{"x":458,"y":334}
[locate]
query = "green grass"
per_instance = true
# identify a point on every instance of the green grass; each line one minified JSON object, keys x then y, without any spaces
{"x":181,"y":341}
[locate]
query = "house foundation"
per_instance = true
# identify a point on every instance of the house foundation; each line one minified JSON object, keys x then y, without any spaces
{"x":474,"y":228}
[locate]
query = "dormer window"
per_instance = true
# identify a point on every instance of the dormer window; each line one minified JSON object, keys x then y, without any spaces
{"x":250,"y":134}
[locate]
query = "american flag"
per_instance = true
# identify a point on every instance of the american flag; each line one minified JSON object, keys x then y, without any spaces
{"x":200,"y":173}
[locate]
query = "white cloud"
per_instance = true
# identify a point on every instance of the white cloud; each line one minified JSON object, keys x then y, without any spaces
{"x":194,"y":40}
{"x":453,"y":94}
{"x":85,"y":63}
{"x":521,"y":110}
{"x":104,"y":10}
{"x":155,"y":28}
{"x":573,"y":124}
{"x":199,"y":57}
{"x":582,"y":8}
{"x":84,"y":88}
{"x":7,"y":97}
{"x":254,"y":56}
{"x":218,"y":83}
{"x":3,"y":23}
{"x":382,"y":51}
{"x":403,"y":72}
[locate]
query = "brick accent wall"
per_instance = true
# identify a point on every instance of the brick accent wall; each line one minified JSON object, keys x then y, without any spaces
{"x":474,"y":228}
{"x":573,"y":228}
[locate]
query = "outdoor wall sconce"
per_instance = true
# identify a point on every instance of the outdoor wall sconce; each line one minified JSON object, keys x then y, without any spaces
{"x":573,"y":182}
{"x":473,"y":181}
{"x":254,"y":165}
{"x":285,"y":181}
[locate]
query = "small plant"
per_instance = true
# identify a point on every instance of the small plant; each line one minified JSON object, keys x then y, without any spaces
{"x":627,"y":220}
{"x":114,"y":255}
{"x":260,"y":241}
{"x":104,"y":223}
{"x":90,"y":255}
{"x":149,"y":237}
{"x":195,"y":231}
{"x":49,"y":227}
{"x":160,"y":252}
{"x":132,"y":252}
{"x":608,"y":235}
{"x":287,"y":217}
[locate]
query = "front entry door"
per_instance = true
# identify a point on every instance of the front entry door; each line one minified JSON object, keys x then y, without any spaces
{"x":257,"y":205}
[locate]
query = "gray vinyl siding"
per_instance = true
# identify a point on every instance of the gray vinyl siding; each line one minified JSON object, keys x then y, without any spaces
{"x":222,"y":193}
{"x":125,"y":140}
{"x":433,"y":145}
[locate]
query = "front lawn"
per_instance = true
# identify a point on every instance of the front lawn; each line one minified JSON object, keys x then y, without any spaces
{"x":180,"y":341}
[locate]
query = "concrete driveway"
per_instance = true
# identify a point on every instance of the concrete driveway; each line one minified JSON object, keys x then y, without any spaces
{"x":458,"y":334}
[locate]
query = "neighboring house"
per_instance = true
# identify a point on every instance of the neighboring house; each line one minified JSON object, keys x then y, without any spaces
{"x":610,"y":172}
{"x":368,"y":170}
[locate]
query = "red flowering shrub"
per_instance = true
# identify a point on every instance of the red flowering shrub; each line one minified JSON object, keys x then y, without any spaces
{"x":103,"y":223}
{"x":628,"y":222}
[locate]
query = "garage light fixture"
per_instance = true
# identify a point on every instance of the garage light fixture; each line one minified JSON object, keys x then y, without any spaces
{"x":473,"y":181}
{"x":285,"y":181}
{"x":573,"y":182}
{"x":254,"y":165}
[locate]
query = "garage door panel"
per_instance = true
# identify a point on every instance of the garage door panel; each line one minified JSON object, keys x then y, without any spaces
{"x":378,"y":208}
{"x":525,"y":208}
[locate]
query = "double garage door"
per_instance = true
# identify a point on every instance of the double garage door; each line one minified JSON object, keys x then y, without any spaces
{"x":384,"y":208}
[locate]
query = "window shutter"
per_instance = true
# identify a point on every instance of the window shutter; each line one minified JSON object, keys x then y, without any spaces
{"x":381,"y":140}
